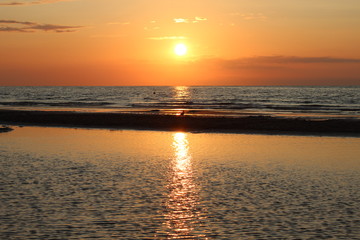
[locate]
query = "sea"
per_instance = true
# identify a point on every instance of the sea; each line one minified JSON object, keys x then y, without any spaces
{"x":308,"y":102}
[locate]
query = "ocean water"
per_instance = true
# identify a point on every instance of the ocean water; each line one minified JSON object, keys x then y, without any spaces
{"x":60,"y":183}
{"x":312,"y":102}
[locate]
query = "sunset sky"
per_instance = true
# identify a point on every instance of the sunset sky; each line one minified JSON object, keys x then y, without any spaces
{"x":132,"y":42}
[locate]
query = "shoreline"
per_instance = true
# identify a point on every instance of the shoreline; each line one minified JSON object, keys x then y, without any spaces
{"x":206,"y":124}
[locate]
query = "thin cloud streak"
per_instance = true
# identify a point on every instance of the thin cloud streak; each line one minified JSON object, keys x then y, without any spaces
{"x":273,"y":62}
{"x":15,"y":22}
{"x":28,"y":27}
{"x":11,"y":29}
{"x":288,"y":60}
{"x":22,"y":3}
{"x":295,"y":59}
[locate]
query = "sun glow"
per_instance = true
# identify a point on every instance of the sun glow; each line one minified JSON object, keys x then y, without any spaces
{"x":180,"y":49}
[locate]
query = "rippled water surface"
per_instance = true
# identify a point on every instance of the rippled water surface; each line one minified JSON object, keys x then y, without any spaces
{"x":75,"y":184}
{"x":325,"y":102}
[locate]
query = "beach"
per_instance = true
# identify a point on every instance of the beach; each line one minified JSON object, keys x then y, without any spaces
{"x":179,"y":163}
{"x":67,"y":183}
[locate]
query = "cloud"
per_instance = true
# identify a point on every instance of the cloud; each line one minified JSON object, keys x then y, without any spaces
{"x":181,"y":20}
{"x":200,"y":19}
{"x":167,"y":38}
{"x":11,"y":29}
{"x":20,"y":26}
{"x":24,"y":2}
{"x":274,"y":62}
{"x":56,"y":28}
{"x":280,"y":70}
{"x":15,"y":22}
{"x":190,"y":20}
{"x":280,"y":60}
{"x":296,"y":59}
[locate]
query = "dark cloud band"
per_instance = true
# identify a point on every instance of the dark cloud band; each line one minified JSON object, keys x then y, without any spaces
{"x":22,"y":3}
{"x":281,"y":60}
{"x":21,"y":26}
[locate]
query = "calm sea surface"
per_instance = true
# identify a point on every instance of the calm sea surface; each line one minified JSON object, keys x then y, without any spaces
{"x":324,"y":102}
{"x":99,"y":184}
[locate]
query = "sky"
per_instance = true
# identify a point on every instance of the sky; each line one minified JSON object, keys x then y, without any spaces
{"x":132,"y":42}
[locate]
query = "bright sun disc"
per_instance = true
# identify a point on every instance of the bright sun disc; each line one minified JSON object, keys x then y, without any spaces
{"x":180,"y":49}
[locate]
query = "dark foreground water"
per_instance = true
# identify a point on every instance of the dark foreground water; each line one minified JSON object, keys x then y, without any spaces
{"x":324,"y":102}
{"x":99,"y":184}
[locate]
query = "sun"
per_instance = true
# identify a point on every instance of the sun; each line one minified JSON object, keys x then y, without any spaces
{"x":180,"y":49}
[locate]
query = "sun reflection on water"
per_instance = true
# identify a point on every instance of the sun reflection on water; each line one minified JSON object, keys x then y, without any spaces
{"x":181,"y":93}
{"x":182,"y":96}
{"x":182,"y":214}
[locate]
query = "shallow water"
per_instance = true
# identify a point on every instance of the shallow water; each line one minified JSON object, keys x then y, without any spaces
{"x":60,"y":183}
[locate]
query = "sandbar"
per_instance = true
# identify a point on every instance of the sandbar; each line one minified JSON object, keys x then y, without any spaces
{"x":245,"y":124}
{"x":5,"y":129}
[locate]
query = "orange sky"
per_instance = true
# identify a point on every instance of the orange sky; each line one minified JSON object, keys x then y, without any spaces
{"x":230,"y":42}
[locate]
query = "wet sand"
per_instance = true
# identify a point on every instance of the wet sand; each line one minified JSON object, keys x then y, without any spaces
{"x":151,"y":121}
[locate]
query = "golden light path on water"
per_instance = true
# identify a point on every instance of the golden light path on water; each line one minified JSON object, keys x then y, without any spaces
{"x":181,"y":94}
{"x":182,"y":213}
